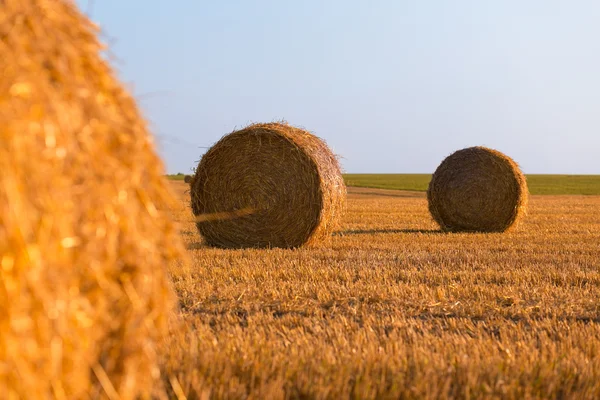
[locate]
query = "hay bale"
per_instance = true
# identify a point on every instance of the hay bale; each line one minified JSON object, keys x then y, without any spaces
{"x":84,"y":294}
{"x":281,"y":185}
{"x":477,"y":190}
{"x":187,"y":179}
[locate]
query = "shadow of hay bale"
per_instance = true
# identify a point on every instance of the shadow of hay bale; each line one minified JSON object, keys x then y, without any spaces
{"x":477,"y":190}
{"x":289,"y":179}
{"x":386,"y":231}
{"x":84,"y":241}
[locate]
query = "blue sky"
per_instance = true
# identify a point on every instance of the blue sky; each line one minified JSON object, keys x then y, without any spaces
{"x":392,"y":86}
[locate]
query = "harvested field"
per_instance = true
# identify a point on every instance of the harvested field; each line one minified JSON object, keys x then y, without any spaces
{"x":393,"y":308}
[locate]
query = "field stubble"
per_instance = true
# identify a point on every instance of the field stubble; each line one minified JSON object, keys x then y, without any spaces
{"x":392,"y":308}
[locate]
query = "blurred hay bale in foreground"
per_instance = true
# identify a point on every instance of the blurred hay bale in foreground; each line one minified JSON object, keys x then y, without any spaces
{"x":84,"y":295}
{"x":477,"y":190}
{"x":282,"y":186}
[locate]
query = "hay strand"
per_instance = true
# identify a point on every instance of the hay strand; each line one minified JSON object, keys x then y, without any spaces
{"x":84,"y":295}
{"x":289,"y":179}
{"x":477,"y":190}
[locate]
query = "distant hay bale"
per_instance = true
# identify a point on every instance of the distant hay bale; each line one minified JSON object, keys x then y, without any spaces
{"x":84,"y":242}
{"x":477,"y":190}
{"x":281,"y":186}
{"x":187,"y":179}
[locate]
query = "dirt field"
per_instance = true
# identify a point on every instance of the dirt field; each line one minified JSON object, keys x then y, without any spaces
{"x":393,"y":308}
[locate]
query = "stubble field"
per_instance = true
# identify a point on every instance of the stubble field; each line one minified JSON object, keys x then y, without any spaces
{"x":393,"y":308}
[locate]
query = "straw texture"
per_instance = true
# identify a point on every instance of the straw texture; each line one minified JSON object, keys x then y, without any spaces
{"x":282,"y":185}
{"x":477,"y":190}
{"x":84,"y":296}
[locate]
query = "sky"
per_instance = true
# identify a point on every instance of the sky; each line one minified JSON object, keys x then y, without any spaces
{"x":392,"y":86}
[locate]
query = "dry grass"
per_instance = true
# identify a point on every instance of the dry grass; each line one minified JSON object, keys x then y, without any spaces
{"x":394,"y":308}
{"x":286,"y":176}
{"x":84,"y":293}
{"x":477,"y":190}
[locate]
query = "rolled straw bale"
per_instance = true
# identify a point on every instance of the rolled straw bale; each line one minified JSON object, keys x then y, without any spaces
{"x":479,"y":190}
{"x":187,"y":179}
{"x":84,"y":295}
{"x":281,"y":186}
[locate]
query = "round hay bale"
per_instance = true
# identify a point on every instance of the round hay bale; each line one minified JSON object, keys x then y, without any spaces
{"x":84,"y":240}
{"x":187,"y":179}
{"x":281,"y":187}
{"x":477,"y":190}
